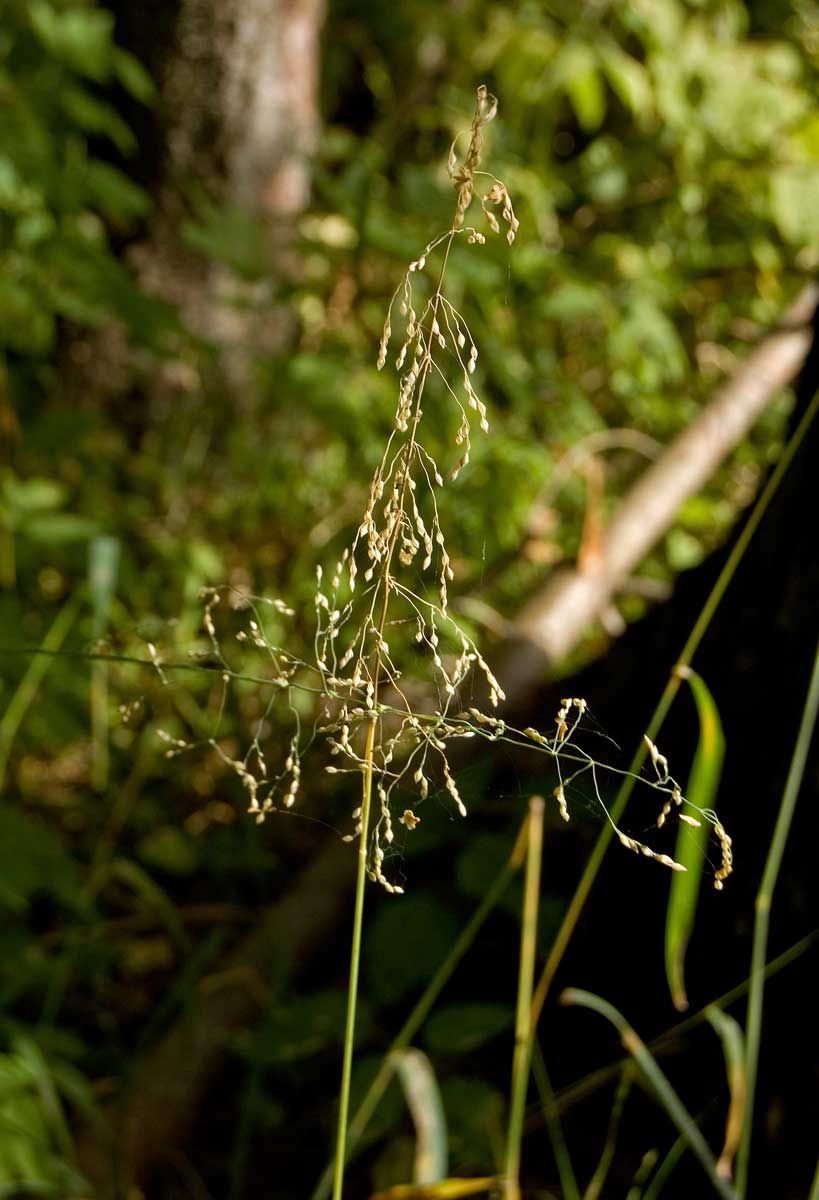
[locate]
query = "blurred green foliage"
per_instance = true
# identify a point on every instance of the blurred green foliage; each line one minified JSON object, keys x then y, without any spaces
{"x":663,"y":157}
{"x":61,"y":198}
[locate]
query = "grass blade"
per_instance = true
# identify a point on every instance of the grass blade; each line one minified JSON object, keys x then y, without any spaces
{"x":597,"y":1182}
{"x":573,"y":912}
{"x":417,"y":1078}
{"x":665,"y":1169}
{"x":551,"y":1116}
{"x":733,"y":1046}
{"x":664,"y":1042}
{"x":703,"y":783}
{"x":665,"y":1093}
{"x":29,"y":685}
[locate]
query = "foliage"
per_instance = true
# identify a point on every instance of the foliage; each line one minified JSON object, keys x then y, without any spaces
{"x":61,"y":199}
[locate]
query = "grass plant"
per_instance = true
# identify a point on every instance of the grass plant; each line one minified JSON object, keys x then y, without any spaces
{"x":391,"y":729}
{"x":388,"y":730}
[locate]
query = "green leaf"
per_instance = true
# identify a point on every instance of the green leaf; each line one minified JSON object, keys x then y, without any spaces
{"x":114,"y":195}
{"x":629,"y":80}
{"x":133,"y":76}
{"x":703,"y":783}
{"x":732,"y":1038}
{"x":795,"y":203}
{"x":35,"y":1142}
{"x":168,"y":849}
{"x":79,"y":38}
{"x":300,"y":1028}
{"x":408,"y":939}
{"x":57,"y":529}
{"x":462,"y":1028}
{"x":153,"y":896}
{"x":96,"y":117}
{"x":33,"y":495}
{"x":33,"y":862}
{"x":24,"y":325}
{"x":584,"y":85}
{"x":474,"y":1110}
{"x":479,"y":862}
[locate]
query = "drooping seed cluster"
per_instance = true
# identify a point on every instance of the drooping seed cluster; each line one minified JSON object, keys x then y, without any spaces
{"x":391,"y":584}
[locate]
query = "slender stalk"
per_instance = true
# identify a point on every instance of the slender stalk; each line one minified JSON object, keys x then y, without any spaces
{"x":420,"y":1012}
{"x":584,"y":887}
{"x":355,"y":960}
{"x":764,"y":899}
{"x":523,"y":1021}
{"x":554,"y":1127}
{"x":665,"y":1093}
{"x":597,"y":1182}
{"x":666,"y":1167}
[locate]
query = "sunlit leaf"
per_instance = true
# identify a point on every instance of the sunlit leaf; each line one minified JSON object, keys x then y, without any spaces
{"x":692,"y":843}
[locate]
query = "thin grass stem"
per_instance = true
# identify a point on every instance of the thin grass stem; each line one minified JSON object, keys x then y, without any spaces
{"x":594,"y":1188}
{"x":587,"y":880}
{"x":523,"y":1020}
{"x":355,"y":961}
{"x":764,"y":899}
{"x":420,"y":1012}
{"x":554,"y":1126}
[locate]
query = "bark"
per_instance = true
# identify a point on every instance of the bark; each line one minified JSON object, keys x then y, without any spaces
{"x":554,"y":620}
{"x":270,"y":104}
{"x":239,"y":119}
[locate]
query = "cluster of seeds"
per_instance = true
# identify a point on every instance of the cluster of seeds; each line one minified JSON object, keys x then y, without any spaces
{"x":394,"y":577}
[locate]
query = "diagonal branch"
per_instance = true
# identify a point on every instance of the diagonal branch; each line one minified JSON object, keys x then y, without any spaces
{"x":554,"y":620}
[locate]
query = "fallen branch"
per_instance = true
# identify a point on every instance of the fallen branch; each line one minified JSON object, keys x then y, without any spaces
{"x":553,"y":621}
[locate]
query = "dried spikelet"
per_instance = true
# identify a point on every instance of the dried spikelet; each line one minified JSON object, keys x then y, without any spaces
{"x":462,"y":177}
{"x":727,"y":864}
{"x":659,"y":760}
{"x":641,"y":848}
